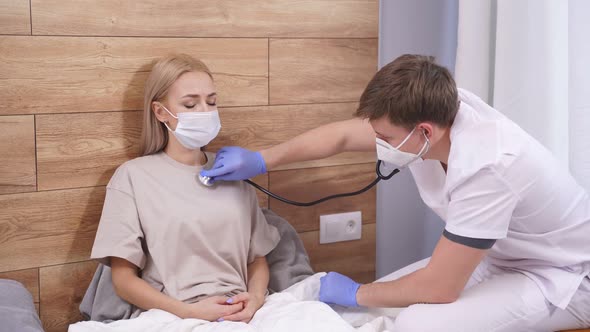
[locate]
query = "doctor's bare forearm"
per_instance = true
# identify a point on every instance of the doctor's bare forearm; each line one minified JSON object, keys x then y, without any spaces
{"x":441,"y":281}
{"x":258,"y":277}
{"x":324,"y":141}
{"x":407,"y":290}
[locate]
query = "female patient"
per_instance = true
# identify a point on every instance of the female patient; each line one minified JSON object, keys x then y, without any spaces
{"x":174,"y":244}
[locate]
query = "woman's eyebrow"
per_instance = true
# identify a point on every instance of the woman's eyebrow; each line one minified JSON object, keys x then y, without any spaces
{"x":198,"y":96}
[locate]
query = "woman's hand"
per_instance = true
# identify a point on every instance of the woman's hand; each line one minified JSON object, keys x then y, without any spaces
{"x":251,"y":304}
{"x":213,"y":308}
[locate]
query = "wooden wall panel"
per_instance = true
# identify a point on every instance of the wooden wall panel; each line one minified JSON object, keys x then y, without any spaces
{"x":17,"y":152}
{"x":355,"y":259}
{"x":62,"y":290}
{"x":72,"y":97}
{"x":82,"y":150}
{"x":47,"y":228}
{"x":15,"y":17}
{"x":313,"y":183}
{"x":261,"y":180}
{"x":320,"y":70}
{"x":71,"y":75}
{"x":29,"y":278}
{"x":203,"y":18}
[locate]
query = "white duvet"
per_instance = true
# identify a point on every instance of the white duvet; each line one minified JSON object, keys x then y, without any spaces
{"x":295,"y":309}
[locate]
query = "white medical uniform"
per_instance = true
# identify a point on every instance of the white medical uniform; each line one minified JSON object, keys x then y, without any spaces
{"x":502,"y":184}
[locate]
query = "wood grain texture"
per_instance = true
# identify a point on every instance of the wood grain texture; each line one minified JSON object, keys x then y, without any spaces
{"x":82,"y":150}
{"x":309,"y":184}
{"x":77,"y":74}
{"x":257,"y":128}
{"x":29,"y":278}
{"x":15,"y":17}
{"x":47,"y":228}
{"x":17,"y":151}
{"x":62,"y":290}
{"x":355,"y":259}
{"x":261,"y":180}
{"x":202,"y":18}
{"x":320,"y":70}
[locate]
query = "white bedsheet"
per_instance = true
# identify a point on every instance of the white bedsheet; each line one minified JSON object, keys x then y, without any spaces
{"x":295,"y":309}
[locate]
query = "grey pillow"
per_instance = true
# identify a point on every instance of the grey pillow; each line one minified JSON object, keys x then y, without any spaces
{"x":288,"y":262}
{"x":17,"y":310}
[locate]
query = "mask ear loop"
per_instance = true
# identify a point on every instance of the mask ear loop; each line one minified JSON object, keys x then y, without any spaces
{"x":423,"y":151}
{"x":172,"y":115}
{"x":405,"y":139}
{"x":426,"y":146}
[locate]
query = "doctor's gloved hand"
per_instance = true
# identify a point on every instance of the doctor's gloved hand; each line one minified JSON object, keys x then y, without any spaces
{"x":234,"y":163}
{"x":338,"y":289}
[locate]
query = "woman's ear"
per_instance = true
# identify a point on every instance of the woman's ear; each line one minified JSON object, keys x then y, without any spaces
{"x":159,"y":112}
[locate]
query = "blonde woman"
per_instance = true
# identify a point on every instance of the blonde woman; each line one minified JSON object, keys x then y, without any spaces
{"x":172,"y":243}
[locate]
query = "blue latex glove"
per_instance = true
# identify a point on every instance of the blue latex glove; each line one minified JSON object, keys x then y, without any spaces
{"x":338,"y":289}
{"x":234,"y":163}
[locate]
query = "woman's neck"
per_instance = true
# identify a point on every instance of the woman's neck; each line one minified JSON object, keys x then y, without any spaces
{"x":184,"y":155}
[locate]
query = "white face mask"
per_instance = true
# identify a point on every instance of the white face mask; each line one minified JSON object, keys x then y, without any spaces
{"x":395,"y":156}
{"x":195,"y":129}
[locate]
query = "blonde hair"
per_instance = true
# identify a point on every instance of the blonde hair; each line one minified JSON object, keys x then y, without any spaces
{"x":154,"y":135}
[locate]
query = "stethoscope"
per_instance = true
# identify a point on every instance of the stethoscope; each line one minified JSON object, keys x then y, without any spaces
{"x":205,"y":180}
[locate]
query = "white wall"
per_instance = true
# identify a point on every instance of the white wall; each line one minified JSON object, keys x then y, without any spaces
{"x":407,"y":230}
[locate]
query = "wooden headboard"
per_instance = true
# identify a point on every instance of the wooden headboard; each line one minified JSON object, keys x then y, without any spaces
{"x":71,"y":85}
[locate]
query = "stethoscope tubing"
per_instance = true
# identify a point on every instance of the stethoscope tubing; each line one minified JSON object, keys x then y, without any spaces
{"x":380,"y":177}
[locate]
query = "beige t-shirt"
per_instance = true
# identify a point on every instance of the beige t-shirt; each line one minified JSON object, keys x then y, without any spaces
{"x":190,"y":241}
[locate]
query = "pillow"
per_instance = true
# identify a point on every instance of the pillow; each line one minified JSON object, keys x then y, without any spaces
{"x":288,"y":262}
{"x":17,"y":310}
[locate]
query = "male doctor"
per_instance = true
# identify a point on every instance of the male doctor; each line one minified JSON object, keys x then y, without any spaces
{"x":515,"y":252}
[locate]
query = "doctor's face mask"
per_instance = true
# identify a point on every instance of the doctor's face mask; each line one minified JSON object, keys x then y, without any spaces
{"x":400,"y":159}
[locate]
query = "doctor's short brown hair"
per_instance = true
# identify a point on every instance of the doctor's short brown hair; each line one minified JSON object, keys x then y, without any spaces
{"x":409,"y":90}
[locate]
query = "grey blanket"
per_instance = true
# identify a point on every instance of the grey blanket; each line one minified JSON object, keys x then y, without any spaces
{"x":17,"y":310}
{"x":288,"y":264}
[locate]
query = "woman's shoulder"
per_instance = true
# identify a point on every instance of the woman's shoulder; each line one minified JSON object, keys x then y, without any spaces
{"x":123,"y":174}
{"x":136,"y":163}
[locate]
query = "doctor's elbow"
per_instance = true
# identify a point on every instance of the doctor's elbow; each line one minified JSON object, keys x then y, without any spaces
{"x":441,"y":296}
{"x":445,"y":297}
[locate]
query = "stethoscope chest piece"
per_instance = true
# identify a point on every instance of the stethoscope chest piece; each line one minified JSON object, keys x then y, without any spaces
{"x":205,"y":180}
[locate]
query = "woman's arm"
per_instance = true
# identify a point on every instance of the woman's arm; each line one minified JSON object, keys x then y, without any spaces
{"x":136,"y":291}
{"x":258,"y":276}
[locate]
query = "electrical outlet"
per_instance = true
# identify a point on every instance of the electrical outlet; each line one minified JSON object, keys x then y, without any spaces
{"x":340,"y":227}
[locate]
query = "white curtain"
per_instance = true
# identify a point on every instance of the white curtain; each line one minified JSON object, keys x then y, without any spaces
{"x":529,"y":59}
